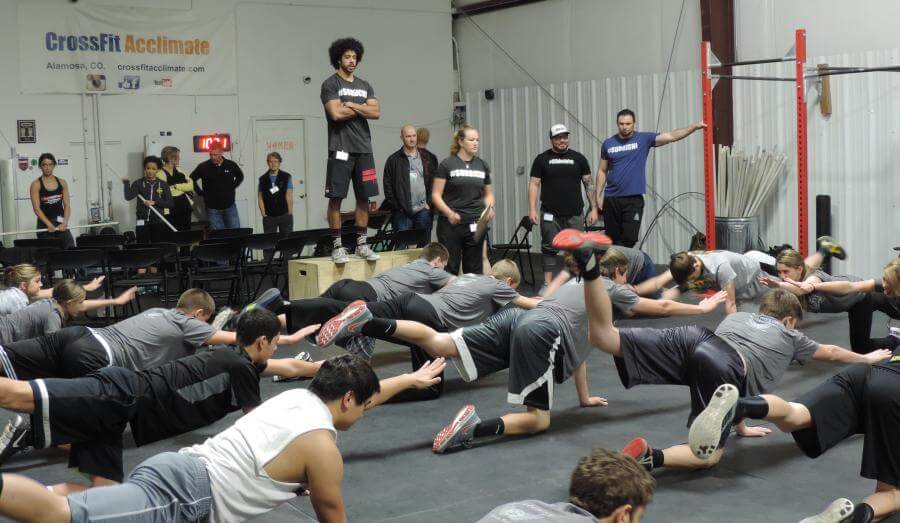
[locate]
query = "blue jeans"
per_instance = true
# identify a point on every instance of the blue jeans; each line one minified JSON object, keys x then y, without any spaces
{"x":223,"y":218}
{"x":420,"y":220}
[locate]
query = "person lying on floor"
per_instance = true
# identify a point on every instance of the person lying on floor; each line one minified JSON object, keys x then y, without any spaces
{"x":750,"y":350}
{"x":266,"y":458}
{"x":540,"y":347}
{"x":91,"y":412}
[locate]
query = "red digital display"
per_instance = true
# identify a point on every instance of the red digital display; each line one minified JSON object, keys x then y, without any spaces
{"x":203,"y":143}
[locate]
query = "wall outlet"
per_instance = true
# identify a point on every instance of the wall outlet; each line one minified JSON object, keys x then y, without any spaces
{"x":520,"y":170}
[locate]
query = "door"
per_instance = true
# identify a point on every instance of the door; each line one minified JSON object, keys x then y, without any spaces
{"x":286,"y":137}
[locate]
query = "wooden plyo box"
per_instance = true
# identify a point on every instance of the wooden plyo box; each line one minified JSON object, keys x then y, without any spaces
{"x":311,"y":277}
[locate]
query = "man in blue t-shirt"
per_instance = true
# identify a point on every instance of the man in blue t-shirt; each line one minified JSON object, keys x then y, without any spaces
{"x":622,"y":177}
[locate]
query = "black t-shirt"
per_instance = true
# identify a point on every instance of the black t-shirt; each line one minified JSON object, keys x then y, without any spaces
{"x":351,"y":135}
{"x":192,"y":392}
{"x":560,"y":176}
{"x":464,"y":191}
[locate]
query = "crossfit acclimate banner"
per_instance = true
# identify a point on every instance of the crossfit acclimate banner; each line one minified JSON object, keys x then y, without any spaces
{"x":67,"y":49}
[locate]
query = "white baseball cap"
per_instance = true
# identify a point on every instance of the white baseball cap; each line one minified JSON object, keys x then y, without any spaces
{"x":558,"y":129}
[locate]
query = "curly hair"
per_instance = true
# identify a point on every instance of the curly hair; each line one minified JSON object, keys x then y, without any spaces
{"x":339,"y":46}
{"x":604,"y":480}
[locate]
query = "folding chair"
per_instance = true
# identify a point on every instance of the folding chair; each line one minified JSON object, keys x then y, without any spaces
{"x":519,"y":243}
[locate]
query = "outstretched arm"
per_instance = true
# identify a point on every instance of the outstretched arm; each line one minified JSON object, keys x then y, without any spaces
{"x":835,"y":354}
{"x":677,"y":134}
{"x":654,"y":284}
{"x":426,"y":376}
{"x":526,"y":302}
{"x":121,"y":299}
{"x":648,"y":307}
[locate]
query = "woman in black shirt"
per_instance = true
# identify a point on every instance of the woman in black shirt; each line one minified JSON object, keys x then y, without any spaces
{"x":50,"y":201}
{"x":460,"y":193}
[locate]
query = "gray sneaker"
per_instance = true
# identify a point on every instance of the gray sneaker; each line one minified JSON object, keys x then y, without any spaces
{"x":16,"y":437}
{"x":459,"y":433}
{"x":839,"y":510}
{"x":706,"y":430}
{"x":362,"y":346}
{"x":302,"y":356}
{"x":340,"y":256}
{"x":222,"y":318}
{"x":366,"y":252}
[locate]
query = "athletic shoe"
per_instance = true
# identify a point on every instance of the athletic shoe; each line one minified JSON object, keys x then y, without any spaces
{"x":15,"y":438}
{"x":347,"y":323}
{"x":575,"y":240}
{"x":838,"y":511}
{"x":641,"y":451}
{"x":894,"y":331}
{"x":831,"y":247}
{"x":362,"y":346}
{"x":302,"y":356}
{"x":366,"y":252}
{"x":270,"y":299}
{"x":222,"y":318}
{"x":339,"y":256}
{"x":706,"y":431}
{"x":581,"y":244}
{"x":459,"y":433}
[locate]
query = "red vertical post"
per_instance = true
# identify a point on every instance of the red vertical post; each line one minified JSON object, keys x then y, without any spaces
{"x":709,"y":174}
{"x":802,"y":160}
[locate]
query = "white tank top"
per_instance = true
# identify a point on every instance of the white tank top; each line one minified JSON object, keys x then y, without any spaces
{"x":236,"y":457}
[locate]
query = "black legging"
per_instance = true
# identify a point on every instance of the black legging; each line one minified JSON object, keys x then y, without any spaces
{"x":860,"y":318}
{"x":350,"y":290}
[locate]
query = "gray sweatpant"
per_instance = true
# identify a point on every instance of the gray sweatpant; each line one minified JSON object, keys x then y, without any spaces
{"x":167,"y":487}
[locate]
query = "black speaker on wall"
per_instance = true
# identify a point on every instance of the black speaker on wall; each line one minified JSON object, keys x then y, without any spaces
{"x":823,"y":223}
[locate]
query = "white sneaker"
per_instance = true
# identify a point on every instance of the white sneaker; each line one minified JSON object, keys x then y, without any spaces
{"x":366,"y":252}
{"x":839,"y":510}
{"x":340,"y":256}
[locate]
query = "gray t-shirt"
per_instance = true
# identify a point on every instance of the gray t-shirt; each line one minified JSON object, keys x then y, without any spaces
{"x":827,"y":302}
{"x":722,"y":267}
{"x":37,"y":319}
{"x":635,"y":261}
{"x":353,"y":135}
{"x":767,"y":346}
{"x":534,"y":511}
{"x":470,"y":299}
{"x":11,"y":300}
{"x":416,"y":276}
{"x":154,"y":337}
{"x":418,"y":197}
{"x":623,"y":299}
{"x":566,"y":306}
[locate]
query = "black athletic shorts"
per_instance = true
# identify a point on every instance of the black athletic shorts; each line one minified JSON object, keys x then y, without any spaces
{"x":70,"y":352}
{"x":484,"y":348}
{"x":526,"y":342}
{"x":349,"y":290}
{"x":358,"y":167}
{"x":861,"y":399}
{"x":91,"y":413}
{"x":689,"y":355}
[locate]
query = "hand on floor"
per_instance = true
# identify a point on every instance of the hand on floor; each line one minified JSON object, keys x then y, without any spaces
{"x":752,"y":432}
{"x":595,"y":401}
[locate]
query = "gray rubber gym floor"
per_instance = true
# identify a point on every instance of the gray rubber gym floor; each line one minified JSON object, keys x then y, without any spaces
{"x":391,"y":475}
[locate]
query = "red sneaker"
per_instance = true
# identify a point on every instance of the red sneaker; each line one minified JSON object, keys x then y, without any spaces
{"x":641,"y":451}
{"x":575,"y":240}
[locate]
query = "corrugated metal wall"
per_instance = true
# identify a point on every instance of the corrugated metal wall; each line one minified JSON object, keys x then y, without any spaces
{"x":853,"y":154}
{"x":514,"y":130}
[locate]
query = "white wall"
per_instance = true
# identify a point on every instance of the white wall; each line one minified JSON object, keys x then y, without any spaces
{"x":566,"y":40}
{"x":407,"y":60}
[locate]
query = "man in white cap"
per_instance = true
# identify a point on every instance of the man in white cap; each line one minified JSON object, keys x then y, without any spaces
{"x":556,"y":174}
